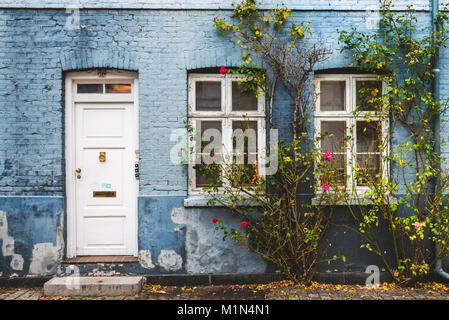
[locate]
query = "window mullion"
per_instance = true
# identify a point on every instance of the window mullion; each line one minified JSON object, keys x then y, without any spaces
{"x":384,"y":162}
{"x":261,"y":147}
{"x":227,"y":95}
{"x":227,"y":147}
{"x":352,"y":151}
{"x":192,"y":154}
{"x":352,"y":148}
{"x":352,"y":122}
{"x":227,"y":131}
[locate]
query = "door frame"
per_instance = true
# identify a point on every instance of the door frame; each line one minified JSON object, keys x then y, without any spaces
{"x":70,"y":141}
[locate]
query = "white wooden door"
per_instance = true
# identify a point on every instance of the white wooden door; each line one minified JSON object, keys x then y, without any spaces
{"x":105,"y":193}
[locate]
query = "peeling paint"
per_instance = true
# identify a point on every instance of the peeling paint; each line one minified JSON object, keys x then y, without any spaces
{"x":100,"y":273}
{"x":17,"y":262}
{"x":170,"y":260}
{"x":206,"y":252}
{"x":46,"y":257}
{"x":8,"y":244}
{"x":145,"y":259}
{"x":178,"y":215}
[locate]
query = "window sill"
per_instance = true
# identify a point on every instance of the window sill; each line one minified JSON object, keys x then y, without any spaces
{"x":351,"y":202}
{"x":200,"y":201}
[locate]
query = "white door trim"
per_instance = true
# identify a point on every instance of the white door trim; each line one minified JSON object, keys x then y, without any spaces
{"x":70,"y":99}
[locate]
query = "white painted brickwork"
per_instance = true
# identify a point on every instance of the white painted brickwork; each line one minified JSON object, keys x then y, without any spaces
{"x":209,"y":4}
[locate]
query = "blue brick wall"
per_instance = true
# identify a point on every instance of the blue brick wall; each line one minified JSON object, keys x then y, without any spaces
{"x":444,"y":95}
{"x":161,"y":45}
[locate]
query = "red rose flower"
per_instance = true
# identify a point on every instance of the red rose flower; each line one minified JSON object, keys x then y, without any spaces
{"x":223,"y":70}
{"x":244,"y":224}
{"x":214,"y":220}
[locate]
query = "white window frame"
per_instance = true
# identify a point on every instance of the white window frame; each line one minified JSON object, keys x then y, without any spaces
{"x":226,"y":115}
{"x":351,"y":123}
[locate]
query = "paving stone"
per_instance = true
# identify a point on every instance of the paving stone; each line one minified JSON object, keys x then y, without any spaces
{"x":27,"y":295}
{"x":16,"y":295}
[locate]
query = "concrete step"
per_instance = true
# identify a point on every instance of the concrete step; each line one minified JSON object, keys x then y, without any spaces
{"x":93,"y":286}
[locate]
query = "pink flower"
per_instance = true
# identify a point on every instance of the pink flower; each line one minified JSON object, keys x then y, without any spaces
{"x":223,"y":70}
{"x":214,"y":220}
{"x":240,"y":245}
{"x":418,"y":226}
{"x":244,"y":224}
{"x":183,"y":148}
{"x":325,"y":187}
{"x":328,"y":156}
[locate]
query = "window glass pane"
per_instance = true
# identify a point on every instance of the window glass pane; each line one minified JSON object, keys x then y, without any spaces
{"x":244,"y":136}
{"x":245,"y":174}
{"x":208,"y":175}
{"x":210,"y":133}
{"x":118,"y":88}
{"x":242,"y":101}
{"x":332,"y":95}
{"x":366,"y":92}
{"x":207,"y":170}
{"x":208,"y":95}
{"x":368,"y":134}
{"x":369,"y":167}
{"x":90,"y":88}
{"x":333,"y":135}
{"x":338,"y":174}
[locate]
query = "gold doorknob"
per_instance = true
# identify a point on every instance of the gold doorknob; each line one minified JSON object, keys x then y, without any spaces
{"x":78,"y":170}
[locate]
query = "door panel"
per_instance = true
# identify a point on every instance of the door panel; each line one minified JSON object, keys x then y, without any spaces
{"x":105,"y":188}
{"x":113,"y":231}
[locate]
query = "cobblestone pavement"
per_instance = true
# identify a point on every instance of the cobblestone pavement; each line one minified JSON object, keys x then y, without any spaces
{"x":283,"y":290}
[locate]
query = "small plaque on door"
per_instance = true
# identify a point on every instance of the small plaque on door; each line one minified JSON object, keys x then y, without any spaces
{"x":105,"y":194}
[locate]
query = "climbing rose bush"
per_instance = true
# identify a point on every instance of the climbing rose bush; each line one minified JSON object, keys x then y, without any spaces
{"x":409,"y":207}
{"x":284,"y":228}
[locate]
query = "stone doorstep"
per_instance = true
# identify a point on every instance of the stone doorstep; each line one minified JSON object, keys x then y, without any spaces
{"x":93,"y":286}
